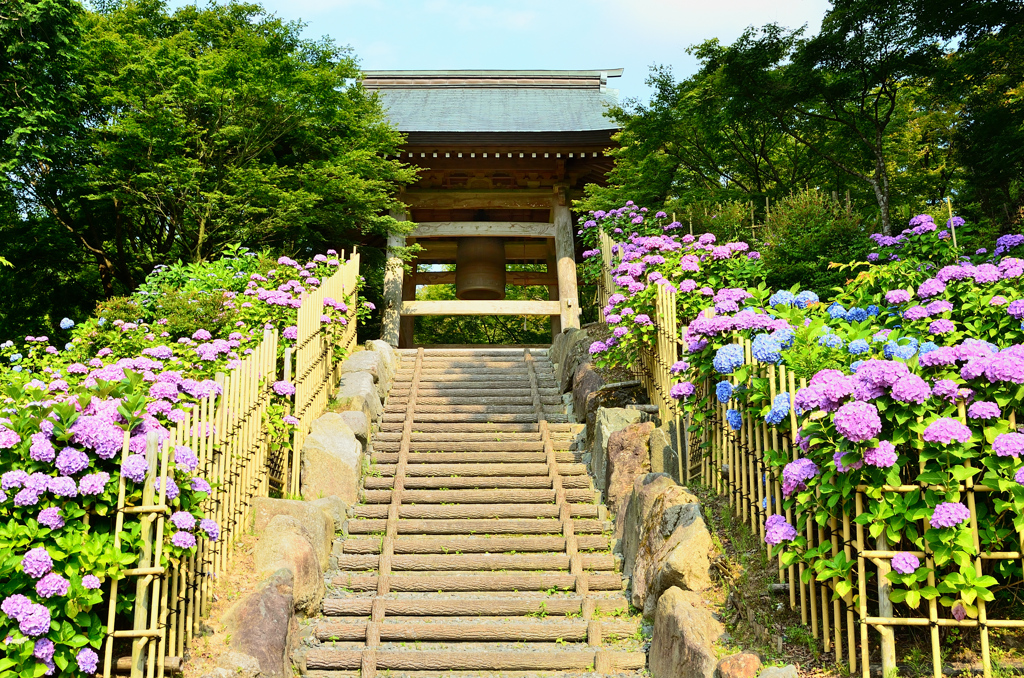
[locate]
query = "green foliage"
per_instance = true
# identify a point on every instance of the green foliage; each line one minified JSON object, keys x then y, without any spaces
{"x":126,"y":309}
{"x":188,"y":310}
{"x":804,"y":234}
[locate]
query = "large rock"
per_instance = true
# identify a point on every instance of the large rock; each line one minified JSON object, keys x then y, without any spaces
{"x":788,"y":671}
{"x":358,"y":392}
{"x":331,"y":460}
{"x":741,"y":665}
{"x":562,"y":354}
{"x":359,"y":424}
{"x":240,"y":665}
{"x":683,"y":637}
{"x":372,"y":363}
{"x":287,"y":544}
{"x":663,"y":540}
{"x":262,"y":625}
{"x":334,"y":507}
{"x":627,"y":459}
{"x":586,"y":381}
{"x":388,"y":355}
{"x":663,"y":453}
{"x":606,"y":422}
{"x":317,"y":522}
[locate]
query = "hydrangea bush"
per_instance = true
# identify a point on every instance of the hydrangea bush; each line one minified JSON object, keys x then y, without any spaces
{"x":66,"y":412}
{"x":911,"y":377}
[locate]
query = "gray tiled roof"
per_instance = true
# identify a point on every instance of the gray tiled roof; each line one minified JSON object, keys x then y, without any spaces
{"x":465,"y":108}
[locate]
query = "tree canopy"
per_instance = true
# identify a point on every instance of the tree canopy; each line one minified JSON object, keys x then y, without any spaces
{"x":153,"y":136}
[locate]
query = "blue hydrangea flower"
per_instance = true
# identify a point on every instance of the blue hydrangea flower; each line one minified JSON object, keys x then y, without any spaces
{"x":831,"y":340}
{"x":873,"y":310}
{"x":101,"y":322}
{"x":782,"y":298}
{"x":766,"y":349}
{"x":67,"y":324}
{"x":728,"y":358}
{"x":927,"y":347}
{"x":806,"y":297}
{"x":858,"y":346}
{"x":735,"y":419}
{"x":780,"y":409}
{"x":855,"y":365}
{"x":723,"y":390}
{"x":904,"y":351}
{"x":856,"y":315}
{"x":836,"y":311}
{"x":784,"y":336}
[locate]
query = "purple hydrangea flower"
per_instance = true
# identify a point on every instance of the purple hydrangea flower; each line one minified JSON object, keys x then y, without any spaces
{"x":200,"y":485}
{"x":98,"y":434}
{"x":1016,"y":309}
{"x":94,"y":483}
{"x":905,"y":563}
{"x":1019,"y":476}
{"x":135,"y":468}
{"x":51,"y":518}
{"x":210,"y":527}
{"x":931,"y":287}
{"x":983,"y":409}
{"x":1008,"y":444}
{"x":949,"y":514}
{"x":183,"y":520}
{"x":183,"y":540}
{"x":87,"y":660}
{"x":26,"y":497}
{"x":15,"y":606}
{"x":42,"y":448}
{"x":71,"y":461}
{"x":172,"y":488}
{"x":682,"y":389}
{"x":43,"y":649}
{"x":897,"y":296}
{"x":289,"y":419}
{"x":941,"y":326}
{"x":52,"y":585}
{"x":796,"y":474}
{"x":91,"y":582}
{"x":185,"y":459}
{"x":883,"y":456}
{"x":911,"y":388}
{"x":843,"y":468}
{"x":777,"y":530}
{"x":13,"y":479}
{"x":598,"y":347}
{"x":37,"y":562}
{"x":35,"y":621}
{"x":8,"y":438}
{"x":857,"y":421}
{"x":945,"y":430}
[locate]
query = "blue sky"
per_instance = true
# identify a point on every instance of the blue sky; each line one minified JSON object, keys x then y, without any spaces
{"x":528,"y":34}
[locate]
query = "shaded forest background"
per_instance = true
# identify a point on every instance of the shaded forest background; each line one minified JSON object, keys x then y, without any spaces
{"x":133,"y":136}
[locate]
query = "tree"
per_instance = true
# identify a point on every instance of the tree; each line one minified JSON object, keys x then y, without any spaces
{"x":208,"y":126}
{"x":846,"y":80}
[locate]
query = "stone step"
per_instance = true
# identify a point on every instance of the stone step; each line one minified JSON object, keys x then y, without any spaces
{"x":474,"y":496}
{"x":469,"y":446}
{"x":473,"y":469}
{"x":521,"y":658}
{"x":474,"y":397}
{"x":471,"y":526}
{"x":478,"y":511}
{"x":456,"y":544}
{"x":472,"y":417}
{"x":485,"y":605}
{"x":483,"y":457}
{"x":434,"y":562}
{"x":475,"y":482}
{"x":473,"y":630}
{"x":461,"y":582}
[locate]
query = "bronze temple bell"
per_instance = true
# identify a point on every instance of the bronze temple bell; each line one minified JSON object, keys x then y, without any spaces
{"x":480,"y":269}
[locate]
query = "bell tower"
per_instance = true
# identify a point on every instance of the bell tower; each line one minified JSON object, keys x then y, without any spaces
{"x":502,"y":154}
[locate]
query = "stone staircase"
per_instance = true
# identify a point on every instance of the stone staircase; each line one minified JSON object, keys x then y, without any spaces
{"x":480,"y":546}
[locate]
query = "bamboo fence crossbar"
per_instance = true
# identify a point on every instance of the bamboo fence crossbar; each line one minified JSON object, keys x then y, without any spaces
{"x":737,"y":463}
{"x":229,"y":434}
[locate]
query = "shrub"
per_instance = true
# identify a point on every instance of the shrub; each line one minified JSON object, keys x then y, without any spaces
{"x":127,"y":309}
{"x":187,"y":311}
{"x":805,"y":232}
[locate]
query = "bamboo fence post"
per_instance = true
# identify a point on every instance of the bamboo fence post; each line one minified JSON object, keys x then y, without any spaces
{"x":986,"y":660}
{"x":862,"y":588}
{"x":887,"y":638}
{"x":108,"y":663}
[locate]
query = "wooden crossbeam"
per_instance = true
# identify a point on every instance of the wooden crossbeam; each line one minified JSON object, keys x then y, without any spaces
{"x":522,"y":278}
{"x":459,"y":307}
{"x":502,"y":229}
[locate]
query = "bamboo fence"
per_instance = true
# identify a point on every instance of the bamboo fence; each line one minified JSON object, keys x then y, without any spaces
{"x":738,"y":464}
{"x":229,"y":435}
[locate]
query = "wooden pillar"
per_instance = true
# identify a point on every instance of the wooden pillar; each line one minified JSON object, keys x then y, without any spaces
{"x":556,"y":320}
{"x":407,"y":324}
{"x":393,"y":274}
{"x":565,"y":251}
